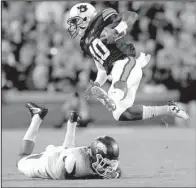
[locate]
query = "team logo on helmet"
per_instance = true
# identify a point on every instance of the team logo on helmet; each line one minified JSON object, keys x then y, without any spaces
{"x":82,"y":8}
{"x":102,"y":147}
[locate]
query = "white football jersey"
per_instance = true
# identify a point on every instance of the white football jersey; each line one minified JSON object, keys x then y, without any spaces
{"x":57,"y":163}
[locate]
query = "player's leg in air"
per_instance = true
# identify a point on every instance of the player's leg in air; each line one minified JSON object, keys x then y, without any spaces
{"x":37,"y":113}
{"x":34,"y":165}
{"x":126,"y":71}
{"x":126,"y":77}
{"x":99,"y":160}
{"x":28,"y":143}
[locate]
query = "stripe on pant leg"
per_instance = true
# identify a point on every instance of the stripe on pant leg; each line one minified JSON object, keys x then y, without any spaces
{"x":122,"y":82}
{"x":127,"y":69}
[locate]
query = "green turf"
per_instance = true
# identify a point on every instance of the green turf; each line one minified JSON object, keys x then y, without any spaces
{"x":149,"y":156}
{"x":16,"y":116}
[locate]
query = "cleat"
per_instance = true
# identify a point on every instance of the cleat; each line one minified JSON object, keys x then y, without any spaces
{"x":35,"y":109}
{"x":177,"y":111}
{"x":102,"y":96}
{"x":74,"y":116}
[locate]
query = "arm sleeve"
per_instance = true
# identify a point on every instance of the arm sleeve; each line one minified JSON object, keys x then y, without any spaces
{"x":101,"y":74}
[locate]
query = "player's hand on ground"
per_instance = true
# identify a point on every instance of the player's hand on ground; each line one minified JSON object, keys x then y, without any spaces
{"x":109,"y":35}
{"x":113,"y":175}
{"x":88,"y":93}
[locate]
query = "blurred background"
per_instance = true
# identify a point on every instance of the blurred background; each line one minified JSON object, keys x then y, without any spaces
{"x":41,"y":63}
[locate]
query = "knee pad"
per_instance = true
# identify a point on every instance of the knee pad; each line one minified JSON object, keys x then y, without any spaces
{"x":117,"y":114}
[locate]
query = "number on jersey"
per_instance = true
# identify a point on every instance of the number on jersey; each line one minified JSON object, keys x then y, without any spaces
{"x":99,"y":51}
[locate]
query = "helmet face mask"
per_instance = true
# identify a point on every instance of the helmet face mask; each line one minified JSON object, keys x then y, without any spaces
{"x":104,"y":152}
{"x":104,"y":166}
{"x":74,"y":25}
{"x":80,"y":16}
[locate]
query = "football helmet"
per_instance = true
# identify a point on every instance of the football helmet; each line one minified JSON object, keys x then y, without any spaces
{"x":79,"y":17}
{"x":104,"y":156}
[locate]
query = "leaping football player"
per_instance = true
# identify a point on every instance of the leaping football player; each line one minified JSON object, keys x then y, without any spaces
{"x":104,"y":38}
{"x":99,"y":160}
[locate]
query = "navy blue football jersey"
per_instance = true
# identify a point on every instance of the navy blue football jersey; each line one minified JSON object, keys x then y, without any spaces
{"x":104,"y":53}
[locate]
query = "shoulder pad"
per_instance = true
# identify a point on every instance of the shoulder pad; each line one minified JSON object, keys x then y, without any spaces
{"x":106,"y":13}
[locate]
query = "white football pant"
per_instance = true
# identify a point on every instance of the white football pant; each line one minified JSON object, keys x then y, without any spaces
{"x":130,"y":70}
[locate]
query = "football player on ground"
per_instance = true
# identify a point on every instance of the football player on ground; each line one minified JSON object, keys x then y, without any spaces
{"x":103,"y":37}
{"x":99,"y":160}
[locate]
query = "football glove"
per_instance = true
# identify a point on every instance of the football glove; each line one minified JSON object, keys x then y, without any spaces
{"x":110,"y":36}
{"x":88,"y":93}
{"x":114,"y":174}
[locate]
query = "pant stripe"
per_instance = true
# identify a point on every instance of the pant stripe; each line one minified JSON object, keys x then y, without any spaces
{"x":127,"y":69}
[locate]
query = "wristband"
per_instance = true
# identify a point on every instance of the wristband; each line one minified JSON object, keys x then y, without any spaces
{"x":121,"y":27}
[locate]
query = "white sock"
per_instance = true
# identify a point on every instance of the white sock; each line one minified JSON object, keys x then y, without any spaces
{"x":70,"y":135}
{"x":33,"y":128}
{"x":153,"y":111}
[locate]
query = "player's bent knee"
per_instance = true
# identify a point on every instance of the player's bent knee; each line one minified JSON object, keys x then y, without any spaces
{"x":116,"y":114}
{"x":116,"y":117}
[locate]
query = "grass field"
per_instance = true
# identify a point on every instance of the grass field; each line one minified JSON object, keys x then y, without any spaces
{"x":149,"y":156}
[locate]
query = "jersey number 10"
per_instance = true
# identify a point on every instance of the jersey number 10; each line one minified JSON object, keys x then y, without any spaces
{"x":99,"y":51}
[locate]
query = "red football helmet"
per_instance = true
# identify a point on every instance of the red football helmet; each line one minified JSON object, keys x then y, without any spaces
{"x":105,"y":155}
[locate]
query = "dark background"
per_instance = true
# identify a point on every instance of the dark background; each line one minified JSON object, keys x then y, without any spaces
{"x":38,"y":54}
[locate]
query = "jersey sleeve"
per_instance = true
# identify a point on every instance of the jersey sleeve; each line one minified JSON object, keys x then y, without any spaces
{"x":107,"y":13}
